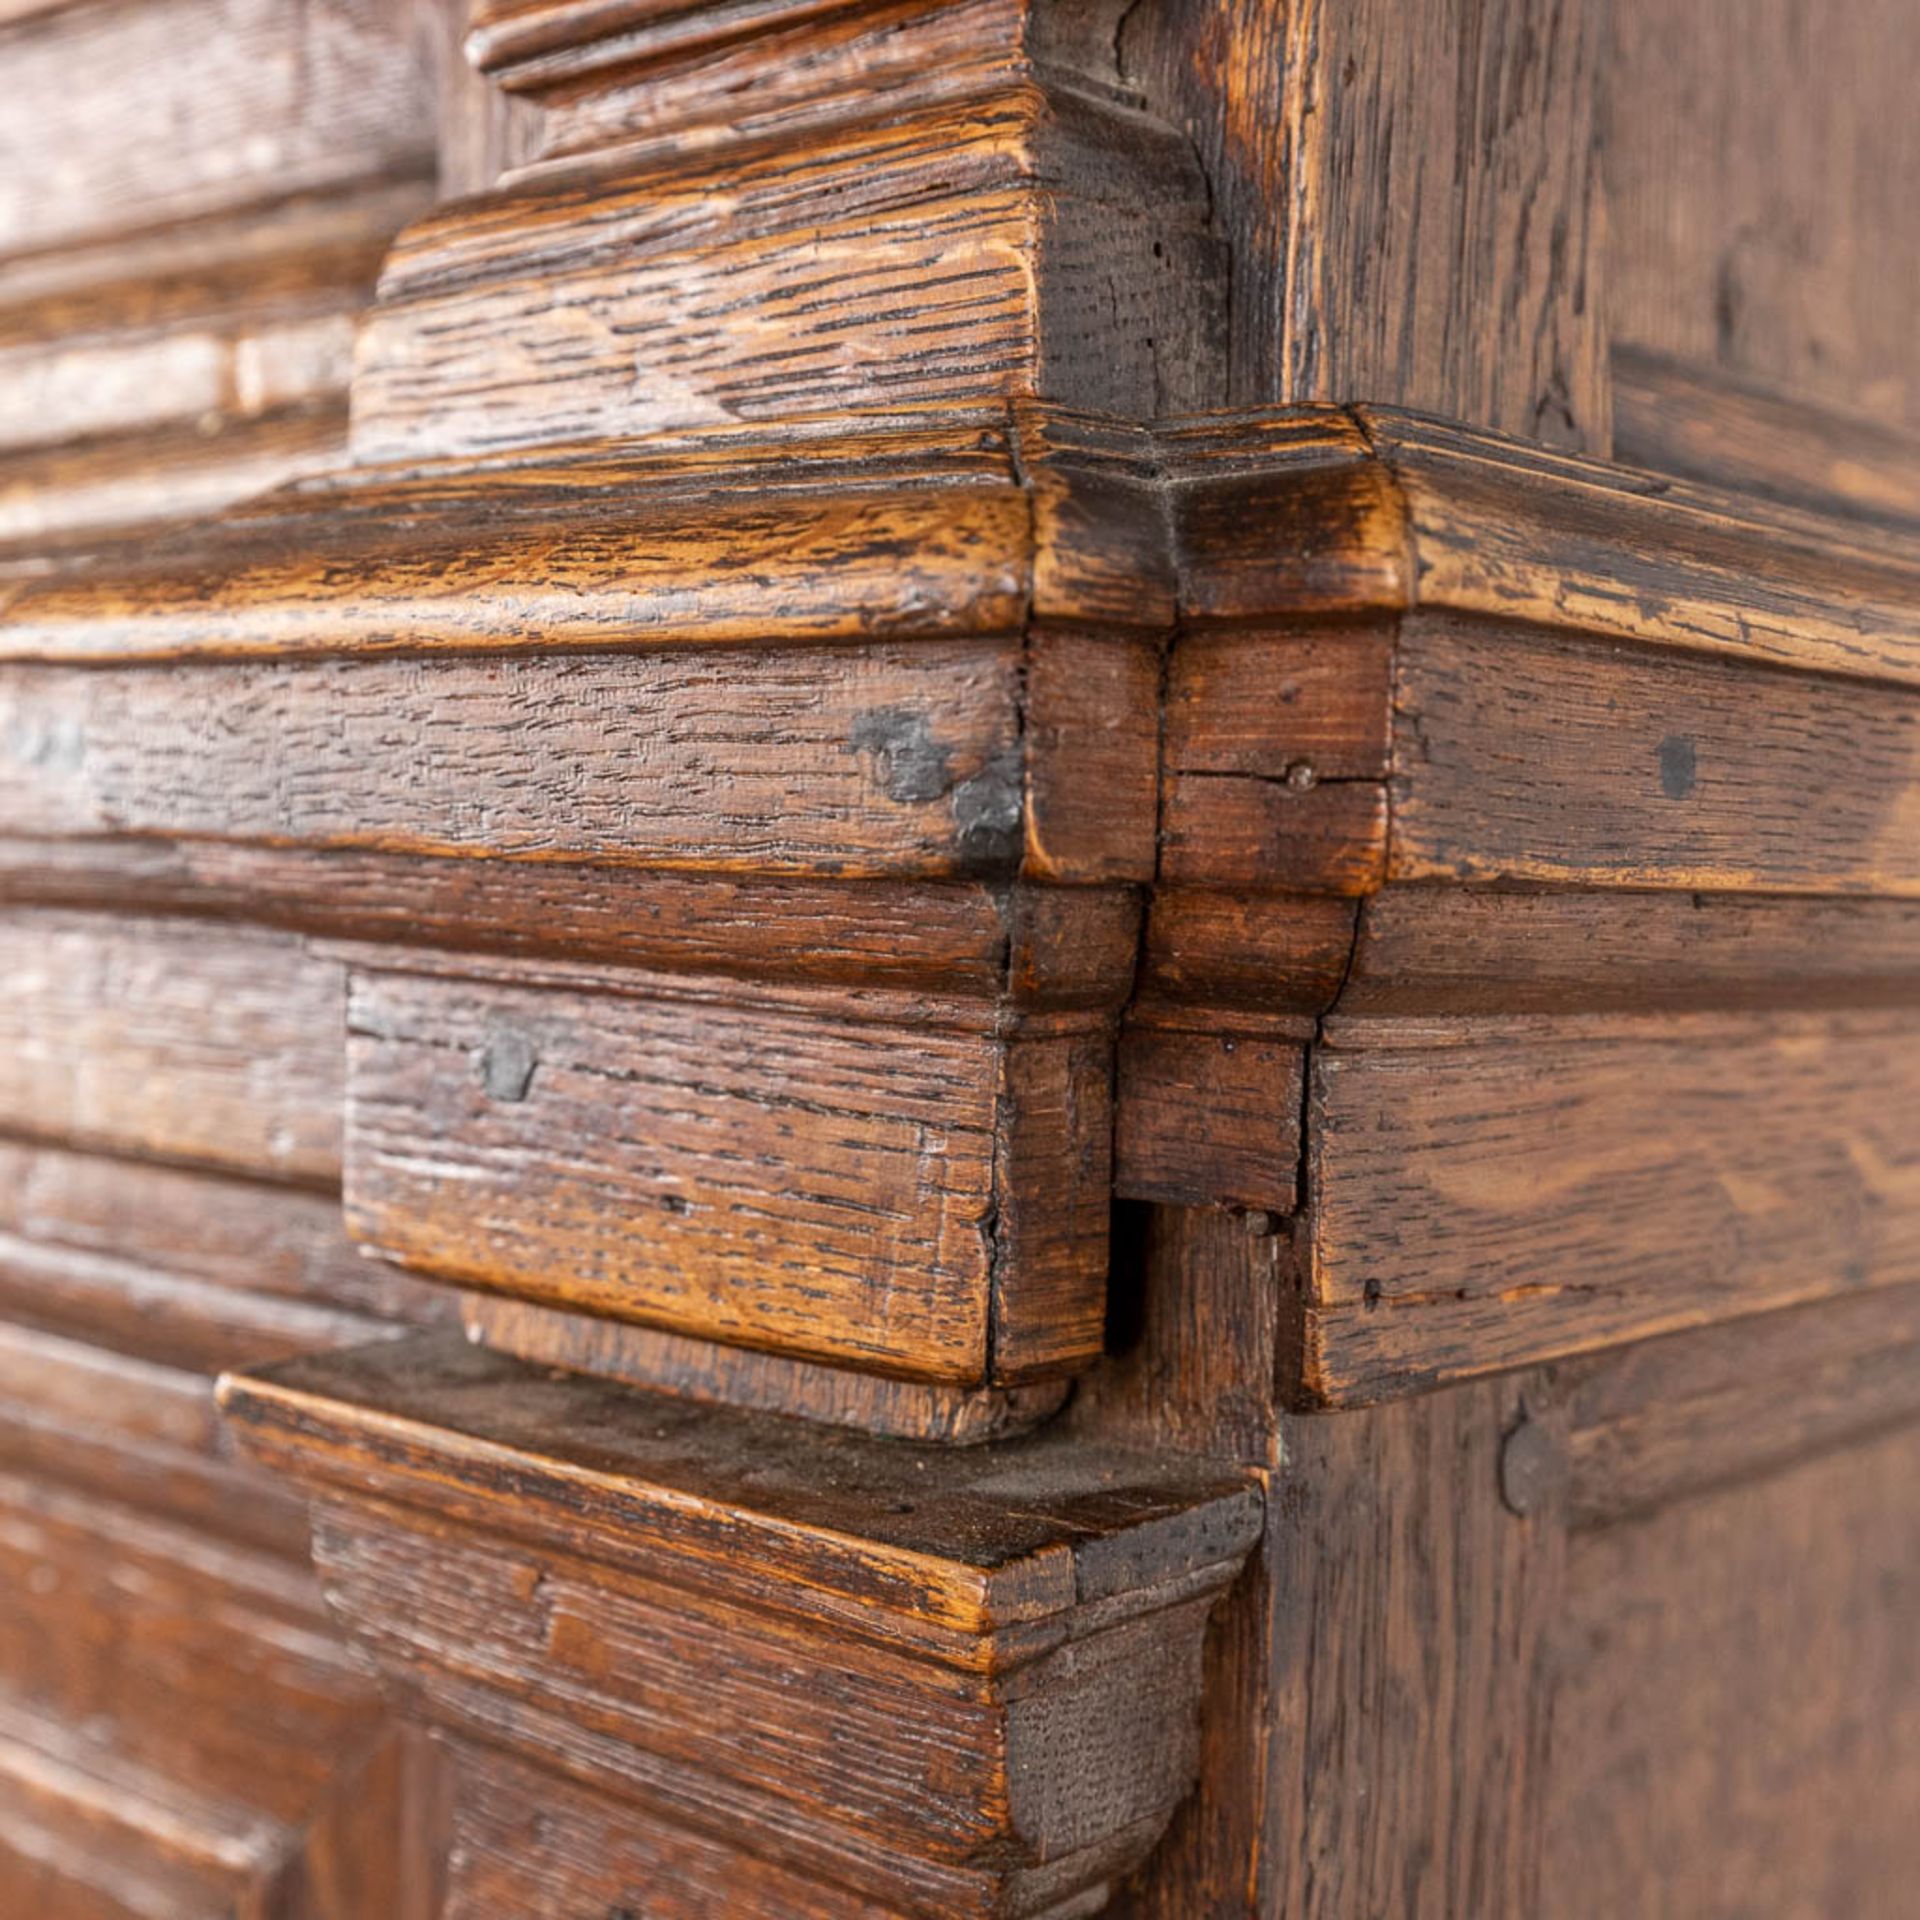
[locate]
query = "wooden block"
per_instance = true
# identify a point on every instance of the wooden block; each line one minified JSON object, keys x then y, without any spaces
{"x":1278,"y":953}
{"x":805,"y":1176}
{"x":959,"y":1682}
{"x":697,"y":298}
{"x":146,"y":1037}
{"x":765,"y":1382}
{"x":1238,"y":830}
{"x":1208,"y":1117}
{"x":1275,"y":760}
{"x":1519,"y":760}
{"x":1486,"y":1194}
{"x":1312,"y":702}
{"x":1433,"y":950}
{"x":1092,"y":730}
{"x":889,"y":760}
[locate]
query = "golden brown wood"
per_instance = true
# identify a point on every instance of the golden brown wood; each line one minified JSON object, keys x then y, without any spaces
{"x":777,"y":1175}
{"x":1005,"y":1639}
{"x":1489,"y":1193}
{"x":838,"y":764}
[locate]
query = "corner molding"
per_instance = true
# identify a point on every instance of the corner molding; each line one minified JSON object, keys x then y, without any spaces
{"x":942,"y":1682}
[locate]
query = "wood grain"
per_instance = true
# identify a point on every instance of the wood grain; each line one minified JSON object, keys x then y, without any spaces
{"x":1740,"y":1667}
{"x":692,"y":292}
{"x":1680,"y":417}
{"x":1316,"y":512}
{"x":1461,"y":950}
{"x":1487,"y":1194}
{"x":140,"y":1037}
{"x":592,"y":549}
{"x":881,"y":761}
{"x":1678,"y":1418}
{"x":763,"y":1382}
{"x":769,"y":1176}
{"x":1756,"y":168}
{"x":1412,"y":1649}
{"x":1033,"y":1614}
{"x":1206,"y":1115}
{"x":1412,"y":197}
{"x":253,"y":99}
{"x":1587,"y":764}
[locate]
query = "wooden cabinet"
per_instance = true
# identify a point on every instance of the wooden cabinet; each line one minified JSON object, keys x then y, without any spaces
{"x":1005,"y":917}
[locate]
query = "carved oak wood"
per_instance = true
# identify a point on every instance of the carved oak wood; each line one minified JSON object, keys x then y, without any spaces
{"x":1007,"y":912}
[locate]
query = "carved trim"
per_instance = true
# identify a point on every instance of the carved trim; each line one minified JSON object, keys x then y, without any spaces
{"x":962,"y":1683}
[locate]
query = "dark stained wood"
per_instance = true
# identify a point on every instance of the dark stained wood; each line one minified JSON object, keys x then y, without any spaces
{"x":1385,"y":511}
{"x":1032,"y":1612}
{"x":1484,"y":1194}
{"x":88,"y":1213}
{"x":205,"y":1663}
{"x":1411,"y":195}
{"x":838,"y":769}
{"x":1411,"y":1653}
{"x":1280,"y":953}
{"x":1676,"y":1418}
{"x":279,"y":97}
{"x":1208,"y":1114}
{"x":139,"y":1037}
{"x":590,"y":548}
{"x":765,"y":1382}
{"x":1579,"y":764}
{"x":1678,"y":417}
{"x":1756,"y":166}
{"x":1448,"y":950}
{"x":781,"y":1175}
{"x":907,"y":765}
{"x":1741,"y":1669}
{"x":693,"y":288}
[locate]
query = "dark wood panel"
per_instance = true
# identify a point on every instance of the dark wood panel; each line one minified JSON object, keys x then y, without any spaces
{"x":1412,"y":1650}
{"x":1671,"y":1419}
{"x":1759,"y":163}
{"x":1736,"y":1728}
{"x":1679,"y":416}
{"x":772,"y":1176}
{"x":145,"y":1037}
{"x":1515,"y":760}
{"x":1485,"y":1194}
{"x":1411,"y":195}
